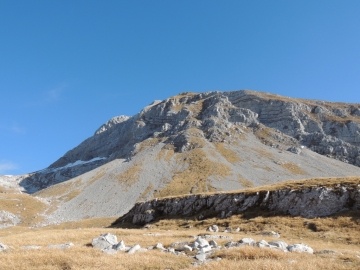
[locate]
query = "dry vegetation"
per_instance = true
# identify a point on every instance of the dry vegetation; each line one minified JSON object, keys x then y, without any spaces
{"x":263,"y":153}
{"x":329,"y":182}
{"x":24,"y":206}
{"x":340,"y":233}
{"x":56,"y":190}
{"x":130,"y":176}
{"x":197,"y":107}
{"x":244,"y":182}
{"x":166,"y":153}
{"x":230,"y":155}
{"x":293,"y":168}
{"x":194,"y":179}
{"x":146,"y":192}
{"x":148,"y":143}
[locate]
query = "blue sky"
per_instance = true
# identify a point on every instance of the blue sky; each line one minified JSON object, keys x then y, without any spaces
{"x":66,"y":67}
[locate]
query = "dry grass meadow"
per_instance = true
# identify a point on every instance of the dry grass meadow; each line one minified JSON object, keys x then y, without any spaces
{"x":340,"y":233}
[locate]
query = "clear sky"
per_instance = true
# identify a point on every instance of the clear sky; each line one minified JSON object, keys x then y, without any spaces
{"x":66,"y":67}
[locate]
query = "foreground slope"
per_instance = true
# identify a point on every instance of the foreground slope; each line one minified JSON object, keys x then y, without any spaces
{"x":334,"y":238}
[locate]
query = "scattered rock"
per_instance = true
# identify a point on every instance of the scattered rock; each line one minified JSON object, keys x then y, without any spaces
{"x":61,"y":246}
{"x":205,"y":249}
{"x":31,"y":247}
{"x":263,"y":244}
{"x":171,"y":250}
{"x":300,"y":248}
{"x":109,"y":250}
{"x":328,"y":251}
{"x":213,"y":228}
{"x":119,"y":246}
{"x":294,"y":150}
{"x":3,"y":247}
{"x":159,"y":246}
{"x":280,"y":244}
{"x":104,"y":241}
{"x":213,"y":244}
{"x":186,"y":248}
{"x":272,"y":234}
{"x":134,"y":249}
{"x":200,"y":242}
{"x":201,"y":257}
{"x":247,"y":242}
{"x":210,"y":236}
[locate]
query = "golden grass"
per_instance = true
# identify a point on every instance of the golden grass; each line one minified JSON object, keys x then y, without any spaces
{"x":266,"y":134}
{"x":242,"y":258}
{"x":230,"y":155}
{"x":69,"y":196}
{"x":263,"y":153}
{"x":144,"y":145}
{"x":330,"y":182}
{"x":83,"y":256}
{"x":196,"y":108}
{"x":293,"y":168}
{"x":24,"y":206}
{"x":333,"y":232}
{"x":249,"y":253}
{"x":130,"y":176}
{"x":340,"y":233}
{"x":55,"y":190}
{"x":100,"y":174}
{"x":146,"y":192}
{"x":244,"y":182}
{"x":196,"y":142}
{"x":194,"y":179}
{"x":166,"y":153}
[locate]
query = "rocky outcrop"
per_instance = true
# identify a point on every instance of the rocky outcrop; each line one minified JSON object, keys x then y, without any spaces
{"x":309,"y":202}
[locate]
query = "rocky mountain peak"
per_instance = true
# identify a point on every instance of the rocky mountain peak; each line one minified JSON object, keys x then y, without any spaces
{"x":190,"y":121}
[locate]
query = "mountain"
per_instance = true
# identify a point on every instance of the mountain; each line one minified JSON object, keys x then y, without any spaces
{"x":196,"y":143}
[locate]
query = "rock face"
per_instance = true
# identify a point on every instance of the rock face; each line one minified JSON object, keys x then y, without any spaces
{"x":308,"y":202}
{"x":331,"y":129}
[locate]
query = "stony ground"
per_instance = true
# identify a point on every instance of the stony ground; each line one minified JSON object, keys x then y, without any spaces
{"x":334,"y":241}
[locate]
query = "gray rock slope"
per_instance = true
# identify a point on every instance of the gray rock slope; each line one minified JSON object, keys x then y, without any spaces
{"x":194,"y":143}
{"x":330,"y":129}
